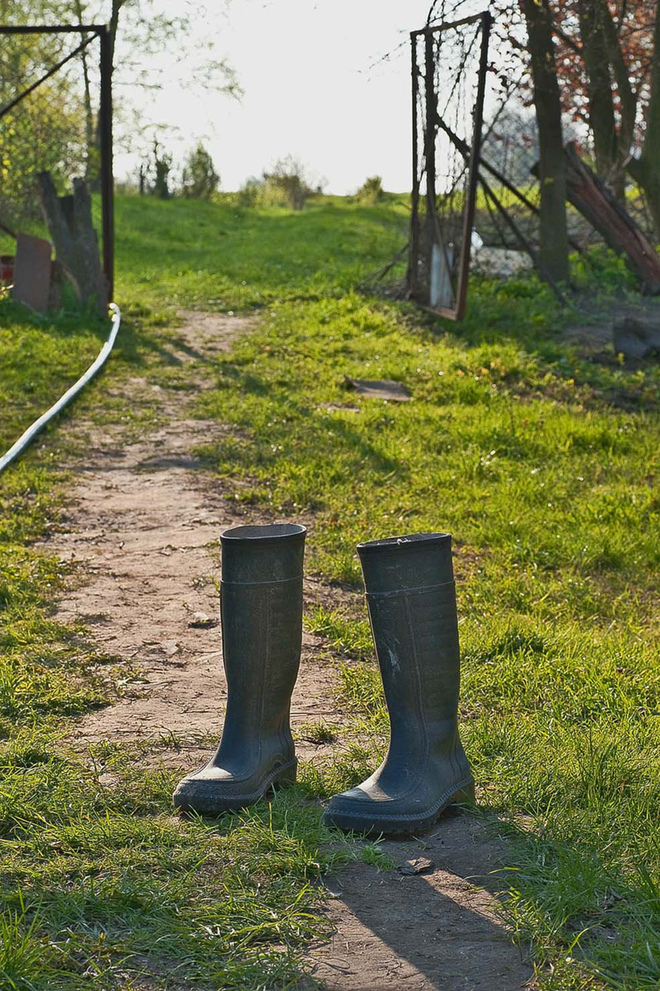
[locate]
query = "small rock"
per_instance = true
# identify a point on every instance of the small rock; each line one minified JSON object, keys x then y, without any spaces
{"x":170,"y":648}
{"x":419,"y":865}
{"x":201,"y":621}
{"x":635,"y":337}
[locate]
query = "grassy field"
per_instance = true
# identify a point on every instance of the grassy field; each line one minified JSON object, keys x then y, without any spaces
{"x":544,"y":465}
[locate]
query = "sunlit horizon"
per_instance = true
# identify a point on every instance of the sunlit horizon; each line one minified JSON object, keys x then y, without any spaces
{"x":326,"y":82}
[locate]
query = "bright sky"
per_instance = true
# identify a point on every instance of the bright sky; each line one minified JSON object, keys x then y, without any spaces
{"x":311,"y":89}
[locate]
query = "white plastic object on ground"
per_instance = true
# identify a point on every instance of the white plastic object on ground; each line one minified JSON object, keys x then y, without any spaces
{"x":39,"y":424}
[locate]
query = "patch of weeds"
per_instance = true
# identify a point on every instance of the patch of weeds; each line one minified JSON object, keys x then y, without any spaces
{"x":318,"y":732}
{"x":24,"y":963}
{"x":373,"y":853}
{"x":362,"y":689}
{"x":349,"y":765}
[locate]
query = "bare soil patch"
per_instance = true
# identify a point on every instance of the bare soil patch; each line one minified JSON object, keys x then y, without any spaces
{"x":143,"y":527}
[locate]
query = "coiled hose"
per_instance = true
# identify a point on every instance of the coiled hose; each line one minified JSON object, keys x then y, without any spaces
{"x":39,"y":424}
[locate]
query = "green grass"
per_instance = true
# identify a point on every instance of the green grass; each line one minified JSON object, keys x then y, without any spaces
{"x":541,"y":461}
{"x":115,"y":886}
{"x":190,"y":254}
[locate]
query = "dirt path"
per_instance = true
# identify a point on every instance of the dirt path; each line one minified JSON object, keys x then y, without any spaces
{"x":430,"y":925}
{"x":143,"y":527}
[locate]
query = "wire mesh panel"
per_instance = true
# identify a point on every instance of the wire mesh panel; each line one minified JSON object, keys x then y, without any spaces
{"x":506,"y":226}
{"x":54,"y":117}
{"x":449,"y":66}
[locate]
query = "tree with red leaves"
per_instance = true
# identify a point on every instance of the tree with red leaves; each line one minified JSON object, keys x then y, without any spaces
{"x":607,"y":56}
{"x":602,"y":57}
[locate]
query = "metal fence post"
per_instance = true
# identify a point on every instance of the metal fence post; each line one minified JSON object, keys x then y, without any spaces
{"x":107,"y":180}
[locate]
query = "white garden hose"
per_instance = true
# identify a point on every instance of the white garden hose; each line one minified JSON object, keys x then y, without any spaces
{"x":39,"y":424}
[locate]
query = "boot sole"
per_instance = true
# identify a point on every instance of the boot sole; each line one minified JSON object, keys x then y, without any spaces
{"x":216,"y":804}
{"x":402,"y":824}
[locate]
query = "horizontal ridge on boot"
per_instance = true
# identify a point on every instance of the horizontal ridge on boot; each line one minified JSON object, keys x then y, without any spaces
{"x":411,"y":599}
{"x":261,"y":618}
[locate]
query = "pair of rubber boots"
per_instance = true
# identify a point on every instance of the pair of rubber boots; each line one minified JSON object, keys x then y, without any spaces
{"x":412,"y":609}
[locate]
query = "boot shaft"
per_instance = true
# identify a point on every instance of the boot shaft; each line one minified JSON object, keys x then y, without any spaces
{"x":261,"y":606}
{"x":411,"y":600}
{"x":270,"y":553}
{"x":261,"y":612}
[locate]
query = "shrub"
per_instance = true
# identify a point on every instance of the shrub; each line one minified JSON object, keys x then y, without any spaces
{"x":199,"y":178}
{"x":289,"y":183}
{"x":371,"y":190}
{"x":250,"y":192}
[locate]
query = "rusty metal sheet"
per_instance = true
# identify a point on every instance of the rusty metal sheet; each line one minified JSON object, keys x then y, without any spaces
{"x":32,"y":272}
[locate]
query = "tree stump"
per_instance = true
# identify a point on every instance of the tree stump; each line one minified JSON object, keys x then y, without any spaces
{"x":69,"y":220}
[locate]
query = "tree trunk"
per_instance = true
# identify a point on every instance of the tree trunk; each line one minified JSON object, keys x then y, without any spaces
{"x":90,"y":142}
{"x":595,"y":52}
{"x":114,"y":25}
{"x":553,"y":253}
{"x":627,"y":95}
{"x":645,"y":170}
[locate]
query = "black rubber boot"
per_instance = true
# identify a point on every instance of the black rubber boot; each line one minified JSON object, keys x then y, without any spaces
{"x":412,"y":609}
{"x":261,"y":613}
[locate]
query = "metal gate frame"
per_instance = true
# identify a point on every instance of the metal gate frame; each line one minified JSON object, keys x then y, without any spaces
{"x":101,"y":32}
{"x":431,"y":128}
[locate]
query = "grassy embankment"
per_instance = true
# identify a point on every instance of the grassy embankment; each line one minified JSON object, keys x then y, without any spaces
{"x":544,"y":465}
